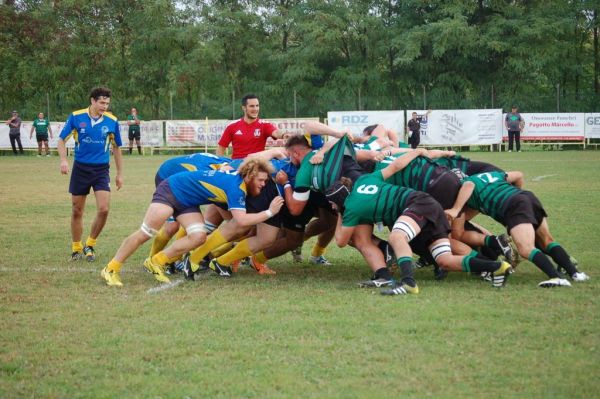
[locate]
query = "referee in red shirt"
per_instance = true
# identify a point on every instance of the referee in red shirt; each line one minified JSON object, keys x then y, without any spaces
{"x":249,"y":134}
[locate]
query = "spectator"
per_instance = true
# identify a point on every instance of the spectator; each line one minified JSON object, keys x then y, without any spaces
{"x":42,"y":128}
{"x":14,"y":132}
{"x":133,"y":121}
{"x":414,"y":128}
{"x":249,"y":134}
{"x":514,"y":123}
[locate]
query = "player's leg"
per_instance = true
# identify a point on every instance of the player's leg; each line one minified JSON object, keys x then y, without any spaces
{"x":560,"y":256}
{"x":77,"y":210}
{"x":47,"y":148}
{"x":137,"y":143}
{"x":524,"y":236}
{"x":361,"y":240}
{"x":404,"y":230}
{"x":324,"y":228}
{"x":39,"y":143}
{"x":155,"y":216}
{"x":102,"y":207}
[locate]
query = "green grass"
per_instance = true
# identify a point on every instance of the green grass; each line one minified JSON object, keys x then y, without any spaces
{"x":306,"y":332}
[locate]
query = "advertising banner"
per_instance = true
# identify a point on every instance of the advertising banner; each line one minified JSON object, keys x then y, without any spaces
{"x":356,"y":121}
{"x":201,"y":133}
{"x":151,"y":134}
{"x":551,"y":126}
{"x":460,"y":127}
{"x":592,"y":126}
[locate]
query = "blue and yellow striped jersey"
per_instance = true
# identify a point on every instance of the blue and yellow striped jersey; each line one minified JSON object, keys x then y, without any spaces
{"x":93,"y":137}
{"x":204,"y":187}
{"x":191,"y":163}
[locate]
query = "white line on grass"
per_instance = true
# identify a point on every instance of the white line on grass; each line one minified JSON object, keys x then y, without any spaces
{"x":58,"y":269}
{"x":538,"y":178}
{"x":164,"y":287}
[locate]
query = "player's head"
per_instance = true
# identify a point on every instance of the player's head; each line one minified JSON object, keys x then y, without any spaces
{"x":414,"y":115}
{"x":41,"y":115}
{"x":459,"y":173}
{"x":100,"y":99}
{"x":133,"y":111}
{"x":250,"y":106}
{"x":255,"y":171}
{"x":297,"y":147}
{"x":15,"y":113}
{"x":514,"y":108}
{"x":369,"y":130}
{"x":338,"y":192}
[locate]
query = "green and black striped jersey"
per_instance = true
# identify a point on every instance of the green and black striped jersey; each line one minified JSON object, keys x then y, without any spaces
{"x":415,"y":175}
{"x":372,"y":200}
{"x":491,"y":193}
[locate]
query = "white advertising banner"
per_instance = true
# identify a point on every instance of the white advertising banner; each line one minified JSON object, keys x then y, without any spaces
{"x":151,"y":134}
{"x":551,"y":126}
{"x":200,"y":133}
{"x":356,"y":121}
{"x":592,"y":126}
{"x":460,"y":126}
{"x":194,"y":133}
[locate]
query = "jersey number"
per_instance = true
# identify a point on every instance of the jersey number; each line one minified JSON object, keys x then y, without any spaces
{"x":487,"y":177}
{"x":370,"y":189}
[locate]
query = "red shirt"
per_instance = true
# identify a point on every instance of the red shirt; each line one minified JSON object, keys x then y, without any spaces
{"x":246,"y":138}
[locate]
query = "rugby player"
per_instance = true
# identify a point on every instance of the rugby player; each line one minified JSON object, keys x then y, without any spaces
{"x":180,"y":195}
{"x":94,"y":131}
{"x":524,"y":217}
{"x":415,"y":220}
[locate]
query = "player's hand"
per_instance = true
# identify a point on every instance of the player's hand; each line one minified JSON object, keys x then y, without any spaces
{"x":119,"y":181}
{"x":276,"y":204}
{"x":64,"y":167}
{"x":281,"y":177}
{"x":280,"y":153}
{"x":317,"y":158}
{"x":378,"y":157}
{"x":451,"y":214}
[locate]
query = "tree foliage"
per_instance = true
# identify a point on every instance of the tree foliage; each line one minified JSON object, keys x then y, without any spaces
{"x":302,"y":57}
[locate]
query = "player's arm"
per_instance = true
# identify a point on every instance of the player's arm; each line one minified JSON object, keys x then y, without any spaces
{"x":343,"y":234}
{"x":515,"y":178}
{"x":31,"y":131}
{"x":434,"y":154}
{"x":50,"y":130}
{"x":465,"y":192}
{"x":320,"y":155}
{"x":294,"y":200}
{"x":400,"y":163}
{"x":271,"y":153}
{"x":119,"y":164}
{"x":250,"y":219}
{"x":314,"y":127}
{"x":62,"y":153}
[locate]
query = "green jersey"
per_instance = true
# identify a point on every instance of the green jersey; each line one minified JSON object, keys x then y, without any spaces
{"x":372,"y":200}
{"x":371,"y":144}
{"x":321,"y":176}
{"x":491,"y":193}
{"x":41,"y":126}
{"x":133,"y":128}
{"x":454,"y":162}
{"x":415,"y":175}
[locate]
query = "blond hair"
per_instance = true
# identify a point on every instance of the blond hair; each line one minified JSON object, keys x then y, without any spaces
{"x":252,"y":166}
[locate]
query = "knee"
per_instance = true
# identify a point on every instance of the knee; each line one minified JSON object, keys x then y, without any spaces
{"x":102,"y":211}
{"x":196,"y":239}
{"x":77,"y":211}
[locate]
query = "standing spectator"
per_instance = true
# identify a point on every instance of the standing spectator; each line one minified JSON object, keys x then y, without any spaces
{"x":414,"y":128}
{"x":249,"y":134}
{"x":133,"y":121}
{"x":514,"y":123}
{"x":94,"y":131}
{"x":14,"y":132}
{"x":42,"y":127}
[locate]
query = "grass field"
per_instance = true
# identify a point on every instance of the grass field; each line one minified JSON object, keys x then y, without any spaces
{"x":306,"y":332}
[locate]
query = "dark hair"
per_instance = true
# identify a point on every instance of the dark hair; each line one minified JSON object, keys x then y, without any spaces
{"x":248,"y":97}
{"x":369,"y":129}
{"x":296,"y":140}
{"x":338,"y":192}
{"x":98,"y":92}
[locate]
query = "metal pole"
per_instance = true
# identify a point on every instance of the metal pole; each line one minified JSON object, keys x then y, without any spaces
{"x":232,"y":104}
{"x":48,"y":105}
{"x":171,"y":103}
{"x":492,"y":96}
{"x":424,"y":97}
{"x":359,"y":100}
{"x":558,"y":97}
{"x":295,"y":108}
